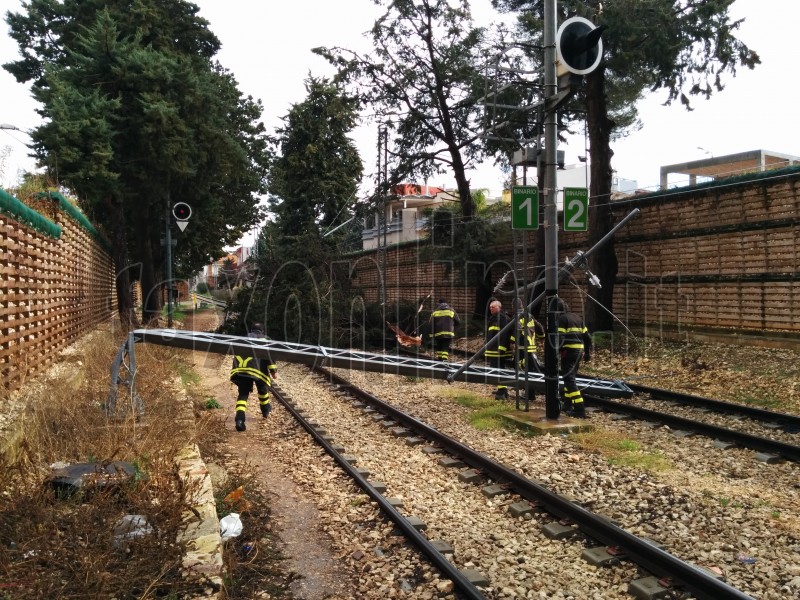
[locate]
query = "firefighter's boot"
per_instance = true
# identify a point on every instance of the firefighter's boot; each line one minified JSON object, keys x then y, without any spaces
{"x":240,"y":426}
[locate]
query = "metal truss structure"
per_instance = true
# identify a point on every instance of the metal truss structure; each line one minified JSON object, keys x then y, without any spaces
{"x":323,"y":356}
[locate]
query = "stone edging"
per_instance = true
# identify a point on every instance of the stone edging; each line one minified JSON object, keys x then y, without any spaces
{"x":203,"y":559}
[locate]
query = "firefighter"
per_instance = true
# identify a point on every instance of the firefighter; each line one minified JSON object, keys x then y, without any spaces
{"x":498,"y":351}
{"x":251,"y":370}
{"x":442,"y":328}
{"x":574,"y":344}
{"x":524,"y":340}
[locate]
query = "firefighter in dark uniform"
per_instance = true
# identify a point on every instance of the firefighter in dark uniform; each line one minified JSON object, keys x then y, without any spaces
{"x":574,"y":344}
{"x":442,"y":328}
{"x":524,"y":339}
{"x":248,"y":371}
{"x":498,"y":351}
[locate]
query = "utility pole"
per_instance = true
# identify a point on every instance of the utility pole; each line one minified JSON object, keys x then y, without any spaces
{"x":168,"y":248}
{"x":552,"y":408}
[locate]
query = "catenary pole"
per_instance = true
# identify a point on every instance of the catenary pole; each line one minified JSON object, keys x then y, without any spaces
{"x":552,"y":409}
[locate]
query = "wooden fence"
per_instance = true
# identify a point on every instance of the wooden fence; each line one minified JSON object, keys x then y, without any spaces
{"x":56,"y":283}
{"x":719,"y":259}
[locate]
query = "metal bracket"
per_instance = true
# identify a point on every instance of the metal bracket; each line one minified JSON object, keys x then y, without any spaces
{"x":124,"y":374}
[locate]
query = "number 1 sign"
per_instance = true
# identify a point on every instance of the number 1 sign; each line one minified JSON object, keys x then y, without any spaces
{"x":524,"y":207}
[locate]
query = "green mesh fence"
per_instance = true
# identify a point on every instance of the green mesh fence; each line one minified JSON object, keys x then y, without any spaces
{"x":27,"y":216}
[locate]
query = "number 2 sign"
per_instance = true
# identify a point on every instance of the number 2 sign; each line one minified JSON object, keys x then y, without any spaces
{"x":576,"y":209}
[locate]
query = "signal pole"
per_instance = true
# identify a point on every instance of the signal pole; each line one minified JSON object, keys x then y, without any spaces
{"x":168,"y":244}
{"x":552,"y":408}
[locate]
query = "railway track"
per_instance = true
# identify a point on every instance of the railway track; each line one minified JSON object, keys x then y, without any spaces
{"x":527,"y":510}
{"x":730,"y":425}
{"x":772,"y":434}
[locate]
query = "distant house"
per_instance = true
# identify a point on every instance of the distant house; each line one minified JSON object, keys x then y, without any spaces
{"x":402,"y":219}
{"x":729,"y":165}
{"x":210,"y":273}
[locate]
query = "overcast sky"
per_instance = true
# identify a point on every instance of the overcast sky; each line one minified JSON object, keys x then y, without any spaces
{"x":267,"y":47}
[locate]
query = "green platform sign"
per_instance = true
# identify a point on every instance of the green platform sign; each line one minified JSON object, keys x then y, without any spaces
{"x":576,"y":209}
{"x":524,"y":207}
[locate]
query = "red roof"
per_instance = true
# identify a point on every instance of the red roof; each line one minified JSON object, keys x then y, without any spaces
{"x":414,"y":189}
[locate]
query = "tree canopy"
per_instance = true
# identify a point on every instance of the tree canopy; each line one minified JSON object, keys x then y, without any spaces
{"x":312,"y":187}
{"x":137,"y":116}
{"x":686,"y":47}
{"x":422,"y":80}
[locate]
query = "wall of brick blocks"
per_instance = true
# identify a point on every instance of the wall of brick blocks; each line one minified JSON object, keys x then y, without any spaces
{"x":52,"y":291}
{"x":720,"y":256}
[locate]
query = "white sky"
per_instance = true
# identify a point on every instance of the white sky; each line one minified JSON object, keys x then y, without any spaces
{"x":267,"y":47}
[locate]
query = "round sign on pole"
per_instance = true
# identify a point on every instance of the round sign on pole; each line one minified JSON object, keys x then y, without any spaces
{"x":579,"y":46}
{"x":181,"y":211}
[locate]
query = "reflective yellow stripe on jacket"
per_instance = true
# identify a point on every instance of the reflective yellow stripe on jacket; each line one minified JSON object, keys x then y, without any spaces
{"x":242,"y":368}
{"x":573,"y":336}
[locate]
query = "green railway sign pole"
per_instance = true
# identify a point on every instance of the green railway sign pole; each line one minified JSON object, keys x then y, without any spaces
{"x":524,"y":207}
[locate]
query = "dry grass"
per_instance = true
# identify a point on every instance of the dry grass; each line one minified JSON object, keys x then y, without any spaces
{"x":57,"y":546}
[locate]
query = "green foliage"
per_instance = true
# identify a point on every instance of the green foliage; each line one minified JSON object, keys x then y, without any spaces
{"x":434,"y":121}
{"x":681,"y":46}
{"x":212,"y":403}
{"x":202,"y":288}
{"x":136,"y":116}
{"x":318,"y":168}
{"x":298,"y":288}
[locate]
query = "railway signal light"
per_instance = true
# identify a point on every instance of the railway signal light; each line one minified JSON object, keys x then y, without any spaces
{"x":182,"y":213}
{"x":579,"y":47}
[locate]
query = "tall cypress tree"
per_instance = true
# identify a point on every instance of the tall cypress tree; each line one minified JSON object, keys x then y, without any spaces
{"x":137,"y":117}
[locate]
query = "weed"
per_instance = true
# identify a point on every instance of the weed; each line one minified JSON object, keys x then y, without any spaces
{"x":211,"y":403}
{"x":189,"y":376}
{"x":620,"y":450}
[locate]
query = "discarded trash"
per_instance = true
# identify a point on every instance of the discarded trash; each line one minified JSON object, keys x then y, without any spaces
{"x":748,"y":560}
{"x":131,"y":527}
{"x":230,"y":526}
{"x":71,"y":479}
{"x":234,"y":495}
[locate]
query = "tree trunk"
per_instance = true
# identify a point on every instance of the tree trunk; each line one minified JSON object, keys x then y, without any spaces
{"x":148,"y":249}
{"x":119,"y":254}
{"x":464,"y":192}
{"x":603,"y":263}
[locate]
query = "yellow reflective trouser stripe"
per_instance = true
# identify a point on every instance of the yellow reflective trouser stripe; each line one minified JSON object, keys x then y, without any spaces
{"x":241,"y":404}
{"x":444,"y":334}
{"x":576,"y":346}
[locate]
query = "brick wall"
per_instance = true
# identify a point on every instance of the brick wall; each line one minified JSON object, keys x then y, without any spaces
{"x":52,"y":291}
{"x":719,"y":257}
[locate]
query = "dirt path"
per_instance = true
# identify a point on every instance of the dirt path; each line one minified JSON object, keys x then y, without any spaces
{"x":315,"y":571}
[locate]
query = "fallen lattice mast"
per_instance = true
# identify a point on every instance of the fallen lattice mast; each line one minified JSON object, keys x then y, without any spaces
{"x":323,"y":356}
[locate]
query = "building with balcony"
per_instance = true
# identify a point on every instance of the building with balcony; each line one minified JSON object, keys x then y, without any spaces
{"x":402,"y":219}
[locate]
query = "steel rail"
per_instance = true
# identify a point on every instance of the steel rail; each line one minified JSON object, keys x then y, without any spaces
{"x":700,"y":583}
{"x":753,"y":412}
{"x":740,"y":438}
{"x":447,"y":568}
